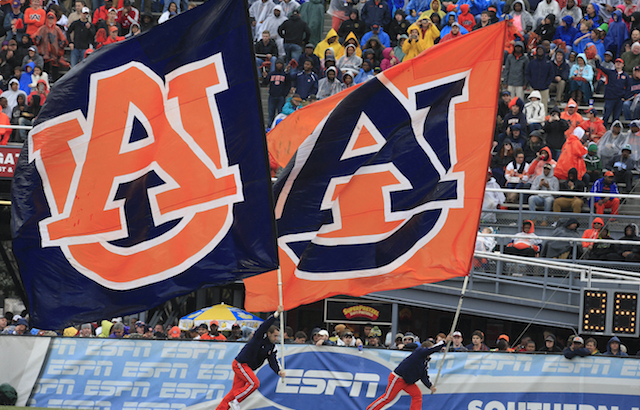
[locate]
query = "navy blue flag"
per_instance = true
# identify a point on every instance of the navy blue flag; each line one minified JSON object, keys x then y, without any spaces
{"x":146,"y":176}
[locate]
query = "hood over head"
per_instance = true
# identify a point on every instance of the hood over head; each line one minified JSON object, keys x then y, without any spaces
{"x":572,"y":174}
{"x":597,"y":220}
{"x":532,"y":228}
{"x":568,"y":20}
{"x":387,"y":52}
{"x":571,"y":221}
{"x":535,"y":94}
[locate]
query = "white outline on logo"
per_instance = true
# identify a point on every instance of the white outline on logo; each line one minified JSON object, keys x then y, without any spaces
{"x":418,"y":118}
{"x":79,"y":147}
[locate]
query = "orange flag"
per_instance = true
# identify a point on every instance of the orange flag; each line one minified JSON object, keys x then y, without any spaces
{"x":386,"y":185}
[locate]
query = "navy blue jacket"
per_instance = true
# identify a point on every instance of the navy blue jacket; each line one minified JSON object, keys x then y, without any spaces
{"x":414,"y":366}
{"x":617,"y":84}
{"x":373,"y":13}
{"x":260,"y":348}
{"x":561,"y":70}
{"x":570,"y":354}
{"x":634,"y":88}
{"x":306,"y":84}
{"x":539,"y":73}
{"x":279,"y":83}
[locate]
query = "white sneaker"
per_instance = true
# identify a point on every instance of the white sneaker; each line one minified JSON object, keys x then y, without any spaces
{"x":234,"y":404}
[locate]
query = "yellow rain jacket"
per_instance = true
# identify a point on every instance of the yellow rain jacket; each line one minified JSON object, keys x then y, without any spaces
{"x":358,"y":50}
{"x":324,"y":45}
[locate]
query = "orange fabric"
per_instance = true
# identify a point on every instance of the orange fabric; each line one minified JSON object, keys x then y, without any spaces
{"x":592,"y":233}
{"x":571,"y":157}
{"x":34,"y":19}
{"x":574,"y":120}
{"x":537,"y":165}
{"x":481,"y":53}
{"x":595,"y":129}
{"x":5,"y":133}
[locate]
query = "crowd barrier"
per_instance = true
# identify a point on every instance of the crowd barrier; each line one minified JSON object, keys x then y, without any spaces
{"x":138,"y":374}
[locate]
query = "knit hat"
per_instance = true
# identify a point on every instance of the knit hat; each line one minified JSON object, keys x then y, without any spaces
{"x":593,"y":147}
{"x":8,"y":395}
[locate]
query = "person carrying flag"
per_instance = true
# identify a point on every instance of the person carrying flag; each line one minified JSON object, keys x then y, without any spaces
{"x":413,"y":368}
{"x":260,"y":347}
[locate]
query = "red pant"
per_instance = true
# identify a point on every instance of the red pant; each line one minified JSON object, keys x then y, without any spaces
{"x":613,"y":203}
{"x":396,"y":384}
{"x":245,"y":382}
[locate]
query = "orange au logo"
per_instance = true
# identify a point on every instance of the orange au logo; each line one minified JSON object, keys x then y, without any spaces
{"x":85,"y":162}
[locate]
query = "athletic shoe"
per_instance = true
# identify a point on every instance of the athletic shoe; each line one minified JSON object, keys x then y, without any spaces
{"x":234,"y":405}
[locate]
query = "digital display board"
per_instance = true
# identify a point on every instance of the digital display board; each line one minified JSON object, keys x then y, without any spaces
{"x":609,"y":312}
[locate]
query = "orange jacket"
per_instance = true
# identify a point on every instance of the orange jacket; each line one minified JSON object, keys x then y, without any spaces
{"x":592,"y":233}
{"x":595,"y":129}
{"x":572,"y":156}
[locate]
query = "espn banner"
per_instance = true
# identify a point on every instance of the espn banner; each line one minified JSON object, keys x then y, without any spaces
{"x":138,"y":374}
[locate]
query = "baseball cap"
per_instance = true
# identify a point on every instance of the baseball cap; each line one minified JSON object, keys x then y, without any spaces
{"x":32,"y":48}
{"x":16,"y":3}
{"x":16,"y":318}
{"x":140,"y":323}
{"x":112,"y":9}
{"x":578,"y":339}
{"x":505,"y":92}
{"x":375,"y":26}
{"x":619,"y":60}
{"x":503,"y":336}
{"x":627,"y":147}
{"x":203,"y":326}
{"x":572,"y":104}
{"x":456,"y":333}
{"x":214,"y":323}
{"x":550,"y":339}
{"x":323,"y":332}
{"x":608,"y":174}
{"x":592,"y":111}
{"x":455,"y":24}
{"x":634,"y":123}
{"x":548,"y":166}
{"x":174,"y":332}
{"x":86,"y":10}
{"x":309,"y":45}
{"x":636,"y":68}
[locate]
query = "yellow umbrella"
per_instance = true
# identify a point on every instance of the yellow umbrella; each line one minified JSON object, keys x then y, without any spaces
{"x":226,"y":315}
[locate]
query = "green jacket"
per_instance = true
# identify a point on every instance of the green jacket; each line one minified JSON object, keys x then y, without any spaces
{"x":593,"y":163}
{"x":312,"y":12}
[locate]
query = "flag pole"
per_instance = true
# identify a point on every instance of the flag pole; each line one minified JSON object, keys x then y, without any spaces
{"x":453,"y":327}
{"x":281,"y":306}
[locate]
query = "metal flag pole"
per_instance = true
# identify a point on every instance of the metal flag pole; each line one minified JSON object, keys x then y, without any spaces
{"x":453,"y":327}
{"x":281,"y":306}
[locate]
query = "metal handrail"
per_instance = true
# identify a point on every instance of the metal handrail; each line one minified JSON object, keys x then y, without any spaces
{"x":562,"y":193}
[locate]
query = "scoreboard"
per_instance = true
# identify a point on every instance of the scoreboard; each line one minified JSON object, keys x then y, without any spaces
{"x":609,"y":312}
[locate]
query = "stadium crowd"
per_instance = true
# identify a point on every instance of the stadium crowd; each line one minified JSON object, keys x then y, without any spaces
{"x":367,"y":336}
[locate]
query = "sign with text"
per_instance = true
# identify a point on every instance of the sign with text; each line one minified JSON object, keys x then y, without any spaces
{"x":357,"y":311}
{"x":8,"y":159}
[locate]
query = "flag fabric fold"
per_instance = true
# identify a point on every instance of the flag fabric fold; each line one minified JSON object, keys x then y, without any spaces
{"x":385,"y":188}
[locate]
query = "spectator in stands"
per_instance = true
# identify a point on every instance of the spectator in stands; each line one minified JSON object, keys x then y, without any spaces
{"x":375,"y":12}
{"x":515,"y":67}
{"x":81,"y":34}
{"x":560,"y":75}
{"x":544,"y":182}
{"x":572,"y":117}
{"x":295,"y":33}
{"x":376,"y":31}
{"x":428,"y":32}
{"x":521,"y":18}
{"x":300,"y":338}
{"x":271,"y":25}
{"x":555,"y":128}
{"x":593,"y":163}
{"x":484,"y":20}
{"x":312,"y":12}
{"x":203,"y":332}
{"x":21,"y":105}
{"x":571,"y":184}
{"x":630,"y":106}
{"x":13,"y":23}
{"x":580,"y":80}
{"x":279,"y":85}
{"x":592,"y":345}
{"x":593,"y":14}
{"x":622,"y":166}
{"x":603,"y":251}
{"x":366,"y":72}
{"x":126,"y":16}
{"x":594,"y":233}
{"x":453,"y":33}
{"x":388,"y":59}
{"x":117,"y":331}
{"x":607,"y":186}
{"x":477,"y":342}
{"x":465,"y":18}
{"x":348,"y":339}
{"x":329,"y":85}
{"x":594,"y":127}
{"x":550,"y":345}
{"x":426,"y":7}
{"x":572,"y":155}
{"x":51,"y":42}
{"x":258,"y":11}
{"x":102,"y":12}
{"x":5,"y":133}
{"x":576,"y":348}
{"x":524,"y":243}
{"x":624,"y":252}
{"x":611,"y":142}
{"x":540,"y":74}
{"x":456,"y":345}
{"x":293,"y":103}
{"x":616,"y":90}
{"x":563,"y":249}
{"x":308,"y":54}
{"x":535,"y":111}
{"x":492,"y":200}
{"x":617,"y":34}
{"x":349,"y":59}
{"x":266,"y":50}
{"x":409,"y":342}
{"x":12,"y":95}
{"x":412,"y":46}
{"x":329,"y":42}
{"x":613,"y":348}
{"x":505,"y":155}
{"x":353,"y":25}
{"x":516,"y":175}
{"x":547,"y":29}
{"x":533,"y":146}
{"x":543,"y":158}
{"x":566,"y":32}
{"x":34,"y":18}
{"x":288,"y":6}
{"x":631,"y":58}
{"x":516,"y":116}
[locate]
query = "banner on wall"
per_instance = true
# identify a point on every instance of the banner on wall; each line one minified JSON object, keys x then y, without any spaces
{"x":136,"y":374}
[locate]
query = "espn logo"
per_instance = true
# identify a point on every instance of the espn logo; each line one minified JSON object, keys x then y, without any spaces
{"x":316,"y":382}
